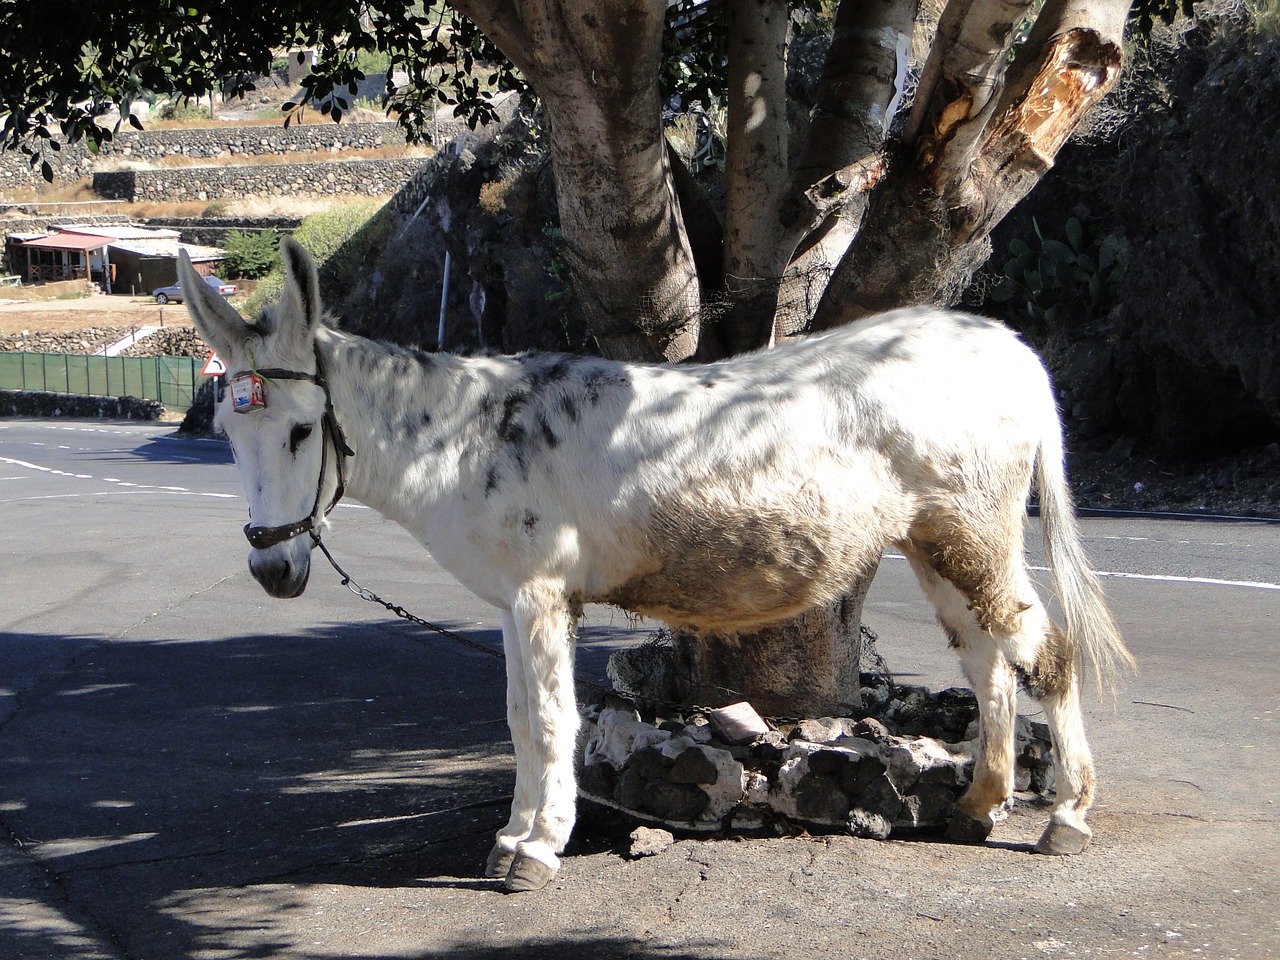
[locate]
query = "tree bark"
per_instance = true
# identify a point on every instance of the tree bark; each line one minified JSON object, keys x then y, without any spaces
{"x":805,"y":667}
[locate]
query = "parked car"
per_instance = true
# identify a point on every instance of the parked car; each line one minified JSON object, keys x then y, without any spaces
{"x":173,"y":292}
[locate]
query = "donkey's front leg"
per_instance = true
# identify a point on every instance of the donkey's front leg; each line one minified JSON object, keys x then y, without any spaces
{"x":525,"y":801}
{"x":546,"y":794}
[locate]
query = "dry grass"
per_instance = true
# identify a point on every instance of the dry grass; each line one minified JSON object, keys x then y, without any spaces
{"x":98,"y":310}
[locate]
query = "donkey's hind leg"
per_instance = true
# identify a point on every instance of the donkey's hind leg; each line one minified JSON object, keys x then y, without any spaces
{"x":1052,"y":676}
{"x":1002,"y":632}
{"x":995,"y":687}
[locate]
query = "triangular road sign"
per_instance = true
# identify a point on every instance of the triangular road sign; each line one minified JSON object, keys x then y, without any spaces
{"x":214,"y":367}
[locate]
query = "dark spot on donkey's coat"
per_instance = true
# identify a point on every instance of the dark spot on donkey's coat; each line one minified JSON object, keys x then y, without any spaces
{"x":510,"y":428}
{"x":548,"y":435}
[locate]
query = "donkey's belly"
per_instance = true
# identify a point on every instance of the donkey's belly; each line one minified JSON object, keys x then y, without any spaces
{"x":733,"y":567}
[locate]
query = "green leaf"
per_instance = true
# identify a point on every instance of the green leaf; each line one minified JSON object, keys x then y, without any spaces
{"x":1057,"y":251}
{"x":1075,"y":234}
{"x":46,"y":171}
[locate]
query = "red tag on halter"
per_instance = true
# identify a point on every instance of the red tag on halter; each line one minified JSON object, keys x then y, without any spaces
{"x":248,"y":393}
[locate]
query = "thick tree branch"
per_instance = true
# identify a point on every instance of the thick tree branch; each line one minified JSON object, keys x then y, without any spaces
{"x":1073,"y":72}
{"x":980,"y":148}
{"x":859,"y":94}
{"x":860,"y":91}
{"x":756,"y":170}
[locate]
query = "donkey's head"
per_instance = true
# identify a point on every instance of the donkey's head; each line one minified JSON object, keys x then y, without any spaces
{"x":276,"y":413}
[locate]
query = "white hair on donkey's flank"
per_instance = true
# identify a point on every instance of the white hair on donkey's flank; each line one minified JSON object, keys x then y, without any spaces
{"x":718,"y":497}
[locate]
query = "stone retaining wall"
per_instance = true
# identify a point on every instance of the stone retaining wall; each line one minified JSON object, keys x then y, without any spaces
{"x":149,"y":145}
{"x":341,"y":177}
{"x":74,"y":161}
{"x":16,"y":403}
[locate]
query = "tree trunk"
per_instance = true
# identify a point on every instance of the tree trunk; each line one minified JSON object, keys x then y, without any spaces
{"x":806,"y":667}
{"x":595,"y":65}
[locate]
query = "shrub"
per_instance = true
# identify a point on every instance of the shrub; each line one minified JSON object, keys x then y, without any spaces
{"x":1061,"y":283}
{"x":323,"y":235}
{"x":251,"y":253}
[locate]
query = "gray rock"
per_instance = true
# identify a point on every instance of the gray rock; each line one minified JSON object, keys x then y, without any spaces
{"x":649,"y":842}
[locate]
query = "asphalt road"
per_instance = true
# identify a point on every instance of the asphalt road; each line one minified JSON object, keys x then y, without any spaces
{"x":189,"y":769}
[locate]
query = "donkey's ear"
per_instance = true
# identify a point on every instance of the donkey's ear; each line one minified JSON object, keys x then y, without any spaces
{"x":299,"y":309}
{"x":216,"y":320}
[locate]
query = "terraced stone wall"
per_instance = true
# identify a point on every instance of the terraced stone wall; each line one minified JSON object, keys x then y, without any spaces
{"x":177,"y":184}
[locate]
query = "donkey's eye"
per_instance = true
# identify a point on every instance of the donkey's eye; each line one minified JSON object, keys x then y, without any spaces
{"x":297,"y":435}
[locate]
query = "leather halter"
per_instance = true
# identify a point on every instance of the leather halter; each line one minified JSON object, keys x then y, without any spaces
{"x":263,"y":537}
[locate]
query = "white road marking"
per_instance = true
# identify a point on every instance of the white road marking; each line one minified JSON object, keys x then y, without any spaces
{"x":1169,"y":578}
{"x":1158,"y":577}
{"x":130,"y":487}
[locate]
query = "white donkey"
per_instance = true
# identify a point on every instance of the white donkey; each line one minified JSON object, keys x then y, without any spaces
{"x":719,"y":497}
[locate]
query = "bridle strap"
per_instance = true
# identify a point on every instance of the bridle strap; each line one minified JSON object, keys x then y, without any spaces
{"x":263,"y":537}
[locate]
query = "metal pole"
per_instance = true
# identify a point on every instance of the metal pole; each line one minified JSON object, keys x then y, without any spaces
{"x":444,"y":300}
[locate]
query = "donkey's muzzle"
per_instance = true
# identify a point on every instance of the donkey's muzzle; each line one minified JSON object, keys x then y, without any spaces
{"x":281,"y":575}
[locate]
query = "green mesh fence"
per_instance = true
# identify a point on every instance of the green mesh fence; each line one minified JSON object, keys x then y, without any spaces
{"x":171,"y":380}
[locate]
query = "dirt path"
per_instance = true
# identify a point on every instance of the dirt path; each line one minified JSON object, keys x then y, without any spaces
{"x":99,"y":310}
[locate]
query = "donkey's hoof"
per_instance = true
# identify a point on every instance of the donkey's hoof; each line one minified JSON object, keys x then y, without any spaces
{"x":526,"y":873}
{"x":1064,"y":839}
{"x":966,"y":828}
{"x":499,"y":863}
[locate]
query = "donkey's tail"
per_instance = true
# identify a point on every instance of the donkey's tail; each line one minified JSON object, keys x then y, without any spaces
{"x":1089,"y":624}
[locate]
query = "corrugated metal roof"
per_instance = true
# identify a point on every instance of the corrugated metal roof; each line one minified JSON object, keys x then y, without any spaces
{"x":69,"y":241}
{"x":122,"y":233}
{"x":169,"y":249}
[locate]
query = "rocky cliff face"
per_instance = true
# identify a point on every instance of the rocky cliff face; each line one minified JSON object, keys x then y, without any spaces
{"x":1187,"y":358}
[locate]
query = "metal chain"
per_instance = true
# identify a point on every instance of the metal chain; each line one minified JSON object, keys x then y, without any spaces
{"x":364,"y":593}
